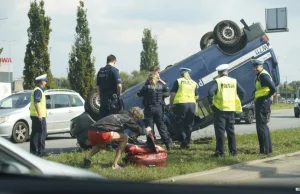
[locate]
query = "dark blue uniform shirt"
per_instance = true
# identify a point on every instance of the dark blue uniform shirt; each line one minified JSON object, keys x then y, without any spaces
{"x":108,"y":84}
{"x":37,"y":95}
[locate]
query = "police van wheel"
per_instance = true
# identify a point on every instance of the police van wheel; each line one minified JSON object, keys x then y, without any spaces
{"x":207,"y":40}
{"x":227,"y":33}
{"x":92,"y":105}
{"x":19,"y":132}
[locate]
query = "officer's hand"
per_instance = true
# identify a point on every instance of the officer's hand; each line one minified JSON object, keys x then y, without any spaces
{"x":40,"y":118}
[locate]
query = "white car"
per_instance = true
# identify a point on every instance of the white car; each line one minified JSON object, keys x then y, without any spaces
{"x":15,"y":160}
{"x":62,"y":106}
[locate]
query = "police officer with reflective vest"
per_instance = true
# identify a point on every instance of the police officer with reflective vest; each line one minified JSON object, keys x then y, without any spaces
{"x":154,"y":91}
{"x":38,"y":114}
{"x":183,"y":96}
{"x":225,"y":97}
{"x":110,"y":86}
{"x":264,"y":90}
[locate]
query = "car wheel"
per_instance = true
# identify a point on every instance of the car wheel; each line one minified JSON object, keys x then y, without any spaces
{"x":227,"y":33}
{"x":20,"y":132}
{"x":250,"y":117}
{"x":207,"y":40}
{"x":297,"y":115}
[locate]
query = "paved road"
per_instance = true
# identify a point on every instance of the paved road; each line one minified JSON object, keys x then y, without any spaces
{"x":281,"y":119}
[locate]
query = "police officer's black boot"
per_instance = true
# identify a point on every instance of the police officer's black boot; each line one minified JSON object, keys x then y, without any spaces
{"x":168,"y":146}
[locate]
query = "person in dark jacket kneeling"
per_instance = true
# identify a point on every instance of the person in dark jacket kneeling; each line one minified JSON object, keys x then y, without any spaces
{"x":110,"y":128}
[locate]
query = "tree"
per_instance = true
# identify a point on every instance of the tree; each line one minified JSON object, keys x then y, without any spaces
{"x":81,"y":65}
{"x":133,"y":79}
{"x":37,"y":57}
{"x":149,"y":56}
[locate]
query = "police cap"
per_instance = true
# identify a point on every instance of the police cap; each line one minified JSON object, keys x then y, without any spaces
{"x":256,"y":62}
{"x":41,"y":78}
{"x":222,"y":68}
{"x":183,"y":70}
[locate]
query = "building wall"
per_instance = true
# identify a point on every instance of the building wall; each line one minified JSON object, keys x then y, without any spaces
{"x":6,"y":77}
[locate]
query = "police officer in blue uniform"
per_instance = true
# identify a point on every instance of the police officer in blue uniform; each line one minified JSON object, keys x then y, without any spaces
{"x":264,"y":90}
{"x":184,"y":95}
{"x":225,"y":97}
{"x":154,"y":91}
{"x":110,"y":85}
{"x":38,"y":114}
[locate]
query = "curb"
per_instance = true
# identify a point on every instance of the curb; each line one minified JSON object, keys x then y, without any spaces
{"x":246,"y":176}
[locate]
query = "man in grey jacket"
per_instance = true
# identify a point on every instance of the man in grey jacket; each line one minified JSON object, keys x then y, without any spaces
{"x":111,"y":128}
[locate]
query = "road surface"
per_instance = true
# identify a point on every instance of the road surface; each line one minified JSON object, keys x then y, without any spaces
{"x":280,"y":119}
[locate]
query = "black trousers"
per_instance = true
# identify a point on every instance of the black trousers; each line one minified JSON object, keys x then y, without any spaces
{"x":185,"y":114}
{"x":262,"y":109}
{"x":154,"y":115}
{"x":224,"y":121}
{"x":38,"y":136}
{"x":103,"y":111}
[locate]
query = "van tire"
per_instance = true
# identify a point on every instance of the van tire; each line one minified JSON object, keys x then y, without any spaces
{"x":207,"y":40}
{"x":92,"y":104}
{"x":227,"y":33}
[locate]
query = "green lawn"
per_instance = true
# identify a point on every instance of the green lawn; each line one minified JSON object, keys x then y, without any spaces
{"x":197,"y":158}
{"x":280,"y":106}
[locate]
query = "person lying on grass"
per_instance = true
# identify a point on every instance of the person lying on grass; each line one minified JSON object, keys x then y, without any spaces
{"x":110,"y":129}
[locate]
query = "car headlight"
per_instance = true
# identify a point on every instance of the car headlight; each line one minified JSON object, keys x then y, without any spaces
{"x":3,"y":119}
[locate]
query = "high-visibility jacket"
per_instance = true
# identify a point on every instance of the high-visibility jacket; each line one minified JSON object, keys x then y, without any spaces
{"x":186,"y":91}
{"x":259,"y":90}
{"x":226,"y":98}
{"x":42,"y":104}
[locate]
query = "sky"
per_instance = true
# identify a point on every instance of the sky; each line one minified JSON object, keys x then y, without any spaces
{"x":117,"y":28}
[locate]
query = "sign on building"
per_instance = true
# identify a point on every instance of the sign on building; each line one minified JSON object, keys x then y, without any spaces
{"x":6,"y":70}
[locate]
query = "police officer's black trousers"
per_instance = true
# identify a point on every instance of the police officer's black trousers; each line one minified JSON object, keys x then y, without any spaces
{"x":154,"y":114}
{"x":103,"y":111}
{"x":38,"y":136}
{"x":262,"y":110}
{"x":185,"y":114}
{"x":224,"y":121}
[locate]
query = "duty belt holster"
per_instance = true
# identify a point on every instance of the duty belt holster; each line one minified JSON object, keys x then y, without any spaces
{"x":114,"y":104}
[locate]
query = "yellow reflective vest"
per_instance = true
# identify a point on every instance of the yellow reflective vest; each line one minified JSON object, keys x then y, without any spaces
{"x":186,"y":91}
{"x":259,"y":90}
{"x":42,"y":103}
{"x":226,"y":98}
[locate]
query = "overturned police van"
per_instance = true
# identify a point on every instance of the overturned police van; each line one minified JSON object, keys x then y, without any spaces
{"x":227,"y":43}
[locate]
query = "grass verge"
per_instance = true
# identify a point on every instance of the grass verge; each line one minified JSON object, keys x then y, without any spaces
{"x":197,"y":158}
{"x":280,"y":106}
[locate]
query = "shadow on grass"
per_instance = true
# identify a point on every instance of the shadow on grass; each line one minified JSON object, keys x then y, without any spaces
{"x":61,"y":150}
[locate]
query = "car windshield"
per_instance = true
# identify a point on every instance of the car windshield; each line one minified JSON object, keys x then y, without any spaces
{"x":15,"y":101}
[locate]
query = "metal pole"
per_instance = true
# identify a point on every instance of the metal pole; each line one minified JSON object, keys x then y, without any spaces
{"x":286,"y":90}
